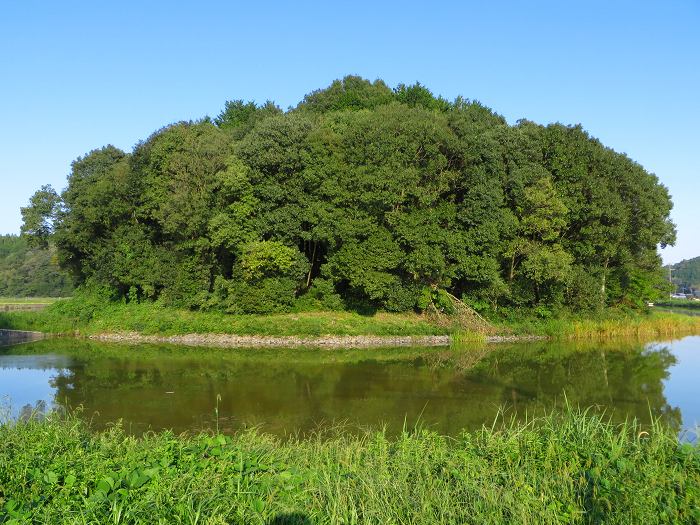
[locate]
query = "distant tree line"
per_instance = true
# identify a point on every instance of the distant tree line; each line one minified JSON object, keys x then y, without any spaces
{"x":361,"y":195}
{"x":686,"y":275}
{"x":30,"y":272}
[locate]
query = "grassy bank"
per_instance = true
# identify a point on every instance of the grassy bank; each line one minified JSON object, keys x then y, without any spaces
{"x":90,"y":317}
{"x":574,"y":468}
{"x":680,"y":303}
{"x":608,"y":325}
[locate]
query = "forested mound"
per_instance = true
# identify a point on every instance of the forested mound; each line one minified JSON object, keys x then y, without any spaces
{"x":362,"y":196}
{"x":686,"y":275}
{"x":30,"y":272}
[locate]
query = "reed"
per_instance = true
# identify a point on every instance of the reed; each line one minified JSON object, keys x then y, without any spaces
{"x":656,"y":325}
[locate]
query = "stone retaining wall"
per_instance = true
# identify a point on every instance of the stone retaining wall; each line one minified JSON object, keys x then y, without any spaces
{"x":341,"y":341}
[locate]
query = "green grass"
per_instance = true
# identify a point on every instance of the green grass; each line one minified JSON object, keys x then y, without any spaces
{"x":570,"y":468}
{"x":605,"y":325}
{"x":89,"y":316}
{"x":680,"y":303}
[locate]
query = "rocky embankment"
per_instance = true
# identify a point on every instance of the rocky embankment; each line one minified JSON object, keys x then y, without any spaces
{"x":329,"y":341}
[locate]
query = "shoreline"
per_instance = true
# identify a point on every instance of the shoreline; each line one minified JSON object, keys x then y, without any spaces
{"x":145,"y":323}
{"x":251,"y":341}
{"x":326,"y":341}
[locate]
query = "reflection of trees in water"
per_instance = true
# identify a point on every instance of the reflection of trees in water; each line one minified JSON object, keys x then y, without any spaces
{"x":450,"y":390}
{"x":5,"y":409}
{"x":627,"y":379}
{"x":460,"y":360}
{"x":36,"y":411}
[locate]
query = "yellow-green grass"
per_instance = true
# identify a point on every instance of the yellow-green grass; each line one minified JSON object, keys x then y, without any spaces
{"x":654,"y":325}
{"x":610,"y":324}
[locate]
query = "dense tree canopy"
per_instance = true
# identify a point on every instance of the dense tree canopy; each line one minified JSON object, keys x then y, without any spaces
{"x":361,"y":195}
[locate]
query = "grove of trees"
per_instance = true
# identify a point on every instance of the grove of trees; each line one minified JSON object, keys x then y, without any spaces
{"x":360,"y":196}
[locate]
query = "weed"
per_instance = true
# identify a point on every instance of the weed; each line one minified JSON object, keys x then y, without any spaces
{"x":571,"y":467}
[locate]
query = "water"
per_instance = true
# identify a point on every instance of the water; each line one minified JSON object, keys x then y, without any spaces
{"x":297,"y":391}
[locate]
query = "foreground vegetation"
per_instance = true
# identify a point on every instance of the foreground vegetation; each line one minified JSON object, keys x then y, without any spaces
{"x":575,"y":468}
{"x":90,"y":316}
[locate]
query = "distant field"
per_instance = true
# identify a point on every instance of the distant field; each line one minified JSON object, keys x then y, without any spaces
{"x":29,"y":300}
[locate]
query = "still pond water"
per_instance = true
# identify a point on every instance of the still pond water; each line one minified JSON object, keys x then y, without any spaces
{"x":296,"y":391}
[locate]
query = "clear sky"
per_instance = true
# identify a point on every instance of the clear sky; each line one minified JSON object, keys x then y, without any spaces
{"x":78,"y":75}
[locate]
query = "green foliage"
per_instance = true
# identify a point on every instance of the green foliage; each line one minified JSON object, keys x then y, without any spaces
{"x":265,"y":280}
{"x":27,"y":271}
{"x":321,"y":296}
{"x":686,"y":275}
{"x":38,"y":218}
{"x":262,"y":296}
{"x":382,"y":193}
{"x":419,"y":95}
{"x":239,"y":117}
{"x":352,"y":92}
{"x":570,"y":468}
{"x":265,"y":259}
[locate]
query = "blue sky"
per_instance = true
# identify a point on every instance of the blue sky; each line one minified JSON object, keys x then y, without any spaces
{"x":79,"y":75}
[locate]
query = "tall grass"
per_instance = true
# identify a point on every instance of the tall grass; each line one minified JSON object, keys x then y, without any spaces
{"x":570,"y":468}
{"x":466,"y":337}
{"x":609,"y":324}
{"x":657,"y":325}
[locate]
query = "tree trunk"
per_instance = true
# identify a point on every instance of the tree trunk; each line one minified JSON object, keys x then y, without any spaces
{"x":311,"y":269}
